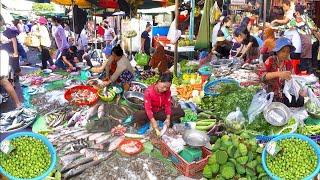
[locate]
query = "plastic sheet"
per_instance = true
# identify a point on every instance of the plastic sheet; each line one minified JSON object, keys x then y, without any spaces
{"x":259,"y":102}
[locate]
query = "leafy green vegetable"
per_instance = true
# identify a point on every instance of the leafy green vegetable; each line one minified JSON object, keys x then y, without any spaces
{"x":207,"y":173}
{"x":221,"y":156}
{"x":227,"y":172}
{"x":214,"y":168}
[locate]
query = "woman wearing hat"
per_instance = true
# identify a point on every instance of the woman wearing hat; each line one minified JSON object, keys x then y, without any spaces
{"x":222,"y":47}
{"x":41,"y":31}
{"x":278,"y":68}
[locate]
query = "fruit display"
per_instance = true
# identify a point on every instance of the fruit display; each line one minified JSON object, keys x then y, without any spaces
{"x":235,"y":157}
{"x":296,"y":159}
{"x":30,"y":158}
{"x":186,"y":42}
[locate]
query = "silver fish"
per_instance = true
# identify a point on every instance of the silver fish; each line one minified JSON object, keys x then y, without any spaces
{"x":76,"y":163}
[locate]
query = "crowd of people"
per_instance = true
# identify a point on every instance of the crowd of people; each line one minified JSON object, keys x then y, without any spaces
{"x":300,"y":30}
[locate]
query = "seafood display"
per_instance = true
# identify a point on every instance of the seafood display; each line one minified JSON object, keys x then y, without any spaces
{"x":136,"y":100}
{"x":118,"y":130}
{"x":58,"y":117}
{"x":81,"y":95}
{"x":17,"y":119}
{"x":131,"y":147}
{"x":243,"y":75}
{"x":71,"y":83}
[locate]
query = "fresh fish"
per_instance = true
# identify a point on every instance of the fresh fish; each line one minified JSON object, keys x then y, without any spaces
{"x":84,"y":136}
{"x":76,"y":163}
{"x":66,"y":159}
{"x":74,"y":119}
{"x":14,"y":126}
{"x":101,"y":111}
{"x":77,"y":134}
{"x":92,"y":111}
{"x":95,"y":136}
{"x":114,"y":144}
{"x":29,"y":111}
{"x":81,"y":168}
{"x":102,"y":138}
{"x":4,"y":123}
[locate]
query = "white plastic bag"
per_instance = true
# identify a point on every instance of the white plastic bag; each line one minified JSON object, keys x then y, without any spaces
{"x":173,"y":34}
{"x":260,"y":101}
{"x":313,"y":97}
{"x":235,"y":119}
{"x":291,"y":88}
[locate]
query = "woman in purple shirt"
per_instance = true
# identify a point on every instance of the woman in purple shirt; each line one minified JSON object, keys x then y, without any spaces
{"x":59,"y":36}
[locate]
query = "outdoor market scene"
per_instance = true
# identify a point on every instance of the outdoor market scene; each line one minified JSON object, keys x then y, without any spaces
{"x":159,"y":89}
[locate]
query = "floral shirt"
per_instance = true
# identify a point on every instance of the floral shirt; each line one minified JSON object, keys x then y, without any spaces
{"x":275,"y":85}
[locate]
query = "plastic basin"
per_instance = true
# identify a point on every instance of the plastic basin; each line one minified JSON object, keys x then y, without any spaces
{"x":206,"y":88}
{"x":298,"y":136}
{"x":51,"y":149}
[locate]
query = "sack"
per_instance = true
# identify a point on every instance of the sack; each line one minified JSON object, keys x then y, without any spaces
{"x":291,"y":87}
{"x":32,"y":41}
{"x":260,"y":101}
{"x":142,"y":59}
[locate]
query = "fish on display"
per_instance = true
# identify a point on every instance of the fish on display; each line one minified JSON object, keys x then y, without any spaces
{"x":16,"y":119}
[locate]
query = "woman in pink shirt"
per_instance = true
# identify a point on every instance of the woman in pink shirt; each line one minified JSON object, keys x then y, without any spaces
{"x":157,"y":104}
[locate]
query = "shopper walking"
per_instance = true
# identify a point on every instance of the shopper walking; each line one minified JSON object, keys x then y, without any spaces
{"x":59,"y":36}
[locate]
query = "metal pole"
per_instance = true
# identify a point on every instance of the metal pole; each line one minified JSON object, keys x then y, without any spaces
{"x":264,"y":13}
{"x":191,"y":29}
{"x":95,"y":26}
{"x":73,"y":17}
{"x":176,"y":55}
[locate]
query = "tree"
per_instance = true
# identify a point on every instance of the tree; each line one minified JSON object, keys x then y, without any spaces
{"x":42,"y":7}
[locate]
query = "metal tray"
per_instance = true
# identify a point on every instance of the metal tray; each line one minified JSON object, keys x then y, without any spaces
{"x":195,"y":138}
{"x":277,"y":114}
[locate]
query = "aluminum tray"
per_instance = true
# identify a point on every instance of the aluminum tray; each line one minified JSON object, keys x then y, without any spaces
{"x":195,"y":138}
{"x":277,"y":114}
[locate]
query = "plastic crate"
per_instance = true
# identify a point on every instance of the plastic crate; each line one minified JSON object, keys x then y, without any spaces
{"x":187,"y":169}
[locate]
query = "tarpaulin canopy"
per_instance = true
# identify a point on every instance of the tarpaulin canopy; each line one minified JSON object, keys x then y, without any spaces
{"x":80,"y":3}
{"x":113,"y":4}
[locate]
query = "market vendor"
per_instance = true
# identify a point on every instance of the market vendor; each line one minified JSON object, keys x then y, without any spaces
{"x":288,"y":13}
{"x":249,"y":49}
{"x":157,"y":104}
{"x":223,"y":47}
{"x":68,"y":59}
{"x":268,"y":45}
{"x":278,"y":68}
{"x":117,"y":68}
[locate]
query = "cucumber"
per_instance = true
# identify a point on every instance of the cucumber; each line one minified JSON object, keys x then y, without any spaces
{"x":207,"y":120}
{"x":205,"y":128}
{"x":203,"y":115}
{"x":204,"y":123}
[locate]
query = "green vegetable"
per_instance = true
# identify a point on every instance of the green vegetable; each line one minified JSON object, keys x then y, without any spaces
{"x":221,"y":156}
{"x":30,"y":158}
{"x":252,"y":164}
{"x":243,"y":149}
{"x":212,"y":159}
{"x":240,"y":169}
{"x":204,"y":115}
{"x":189,"y":116}
{"x":227,"y":172}
{"x":214,"y":168}
{"x":243,"y":160}
{"x":207,"y":172}
{"x":296,"y":160}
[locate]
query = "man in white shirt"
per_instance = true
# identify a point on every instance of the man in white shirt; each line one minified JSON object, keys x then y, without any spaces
{"x":82,"y":45}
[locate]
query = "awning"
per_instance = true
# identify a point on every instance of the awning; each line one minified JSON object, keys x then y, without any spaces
{"x":79,"y":3}
{"x":159,"y":10}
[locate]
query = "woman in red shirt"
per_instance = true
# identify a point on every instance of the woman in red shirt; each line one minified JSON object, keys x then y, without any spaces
{"x":157,"y":104}
{"x":278,"y":68}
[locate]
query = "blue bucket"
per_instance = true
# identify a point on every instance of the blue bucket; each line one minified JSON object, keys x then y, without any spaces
{"x":298,"y":136}
{"x":50,"y":148}
{"x":214,"y":83}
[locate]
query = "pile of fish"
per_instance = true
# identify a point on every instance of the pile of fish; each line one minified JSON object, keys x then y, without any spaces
{"x":17,"y":119}
{"x":242,"y":75}
{"x":79,"y":149}
{"x":58,"y":117}
{"x":139,"y":167}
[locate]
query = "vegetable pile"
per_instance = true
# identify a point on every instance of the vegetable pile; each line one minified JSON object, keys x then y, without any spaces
{"x":296,"y":160}
{"x":151,"y":80}
{"x":29,"y":159}
{"x":189,"y":115}
{"x":235,"y":157}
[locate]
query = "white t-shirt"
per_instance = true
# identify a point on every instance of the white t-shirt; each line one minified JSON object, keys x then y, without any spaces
{"x":294,"y":36}
{"x":82,"y":40}
{"x":215,"y":33}
{"x":289,"y":14}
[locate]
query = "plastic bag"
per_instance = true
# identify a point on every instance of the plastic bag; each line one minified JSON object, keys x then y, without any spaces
{"x":313,"y":97}
{"x":259,"y":102}
{"x":173,"y":34}
{"x":291,"y":88}
{"x":142,"y":59}
{"x":235,"y":119}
